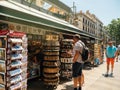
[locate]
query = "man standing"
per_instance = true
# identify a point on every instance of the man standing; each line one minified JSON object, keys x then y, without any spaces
{"x":77,"y":62}
{"x":111,"y":52}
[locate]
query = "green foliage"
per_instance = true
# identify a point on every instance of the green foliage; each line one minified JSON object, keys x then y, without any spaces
{"x":114,"y":30}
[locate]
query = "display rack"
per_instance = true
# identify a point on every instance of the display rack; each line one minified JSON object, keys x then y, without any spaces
{"x":13,"y":60}
{"x":51,"y":60}
{"x":34,"y":57}
{"x":66,"y":58}
{"x":98,"y":52}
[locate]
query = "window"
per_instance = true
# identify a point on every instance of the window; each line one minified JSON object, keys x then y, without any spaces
{"x":83,"y":20}
{"x":88,"y":23}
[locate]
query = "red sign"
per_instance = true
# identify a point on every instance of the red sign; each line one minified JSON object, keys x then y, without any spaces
{"x":16,"y":34}
{"x":11,"y":33}
{"x":4,"y":32}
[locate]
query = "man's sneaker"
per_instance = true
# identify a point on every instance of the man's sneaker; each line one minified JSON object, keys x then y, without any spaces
{"x":79,"y":88}
{"x":75,"y":88}
{"x":106,"y":75}
{"x":111,"y":74}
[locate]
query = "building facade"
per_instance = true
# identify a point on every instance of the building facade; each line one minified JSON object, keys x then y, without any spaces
{"x":89,"y":23}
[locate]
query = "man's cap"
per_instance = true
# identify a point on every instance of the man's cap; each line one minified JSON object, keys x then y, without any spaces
{"x":77,"y":36}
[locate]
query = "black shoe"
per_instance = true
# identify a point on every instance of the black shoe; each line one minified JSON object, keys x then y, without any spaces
{"x":79,"y":88}
{"x":75,"y":88}
{"x":111,"y":74}
{"x":106,"y":75}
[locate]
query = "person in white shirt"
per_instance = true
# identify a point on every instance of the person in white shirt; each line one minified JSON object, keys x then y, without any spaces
{"x":77,"y":62}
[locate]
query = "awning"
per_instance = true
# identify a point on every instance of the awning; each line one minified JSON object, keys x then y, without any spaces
{"x":18,"y":11}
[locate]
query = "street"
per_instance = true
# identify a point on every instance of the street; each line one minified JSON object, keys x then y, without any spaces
{"x":94,"y":80}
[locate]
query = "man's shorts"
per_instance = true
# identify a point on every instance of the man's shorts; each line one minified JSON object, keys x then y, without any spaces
{"x":77,"y":69}
{"x":110,"y":60}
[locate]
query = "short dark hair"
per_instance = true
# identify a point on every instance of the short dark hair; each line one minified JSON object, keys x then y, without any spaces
{"x":76,"y":36}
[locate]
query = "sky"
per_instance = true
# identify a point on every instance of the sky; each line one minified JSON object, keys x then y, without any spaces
{"x":105,"y":10}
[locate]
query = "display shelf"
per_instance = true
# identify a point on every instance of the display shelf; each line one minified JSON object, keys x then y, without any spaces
{"x":2,"y":61}
{"x":16,"y":79}
{"x":17,"y":48}
{"x":67,"y":74}
{"x":2,"y":48}
{"x":2,"y":78}
{"x":15,"y":40}
{"x":51,"y":45}
{"x":33,"y":77}
{"x":51,"y":66}
{"x":2,"y":73}
{"x":16,"y":56}
{"x":2,"y":54}
{"x":16,"y":64}
{"x":66,"y":58}
{"x":51,"y":60}
{"x":49,"y":75}
{"x":66,"y":62}
{"x":2,"y":66}
{"x":51,"y":55}
{"x":15,"y":72}
{"x":2,"y":87}
{"x":98,"y":52}
{"x":51,"y":50}
{"x":11,"y":51}
{"x":16,"y":86}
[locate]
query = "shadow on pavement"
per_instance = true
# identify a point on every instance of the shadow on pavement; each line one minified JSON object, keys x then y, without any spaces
{"x":69,"y":87}
{"x":64,"y":80}
{"x":37,"y":84}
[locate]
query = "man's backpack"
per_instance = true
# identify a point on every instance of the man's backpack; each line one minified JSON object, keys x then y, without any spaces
{"x":85,"y":53}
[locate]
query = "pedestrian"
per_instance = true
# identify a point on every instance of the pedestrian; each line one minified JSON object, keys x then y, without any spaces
{"x":111,"y":53}
{"x":118,"y":54}
{"x":77,"y":62}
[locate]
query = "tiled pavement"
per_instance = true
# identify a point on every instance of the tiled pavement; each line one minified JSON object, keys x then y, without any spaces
{"x":94,"y":80}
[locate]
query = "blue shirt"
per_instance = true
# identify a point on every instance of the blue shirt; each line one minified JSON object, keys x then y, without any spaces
{"x":110,"y":51}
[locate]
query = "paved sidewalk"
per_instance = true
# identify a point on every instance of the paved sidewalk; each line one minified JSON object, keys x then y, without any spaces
{"x":94,"y":80}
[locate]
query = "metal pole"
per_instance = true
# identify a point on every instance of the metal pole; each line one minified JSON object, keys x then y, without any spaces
{"x":73,"y":7}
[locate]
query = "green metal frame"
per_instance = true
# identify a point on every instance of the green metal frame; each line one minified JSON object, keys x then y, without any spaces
{"x":17,"y":16}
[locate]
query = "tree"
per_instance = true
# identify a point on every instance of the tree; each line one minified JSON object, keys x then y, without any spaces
{"x":114,"y":30}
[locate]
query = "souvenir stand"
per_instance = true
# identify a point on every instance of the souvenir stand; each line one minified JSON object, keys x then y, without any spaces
{"x":13,"y":60}
{"x":98,"y":52}
{"x":66,"y":58}
{"x":51,"y":60}
{"x":34,"y":56}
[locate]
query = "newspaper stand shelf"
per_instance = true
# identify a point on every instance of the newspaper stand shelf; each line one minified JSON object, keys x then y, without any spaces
{"x":13,"y":60}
